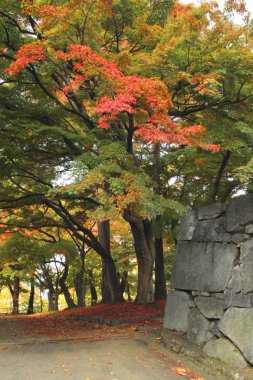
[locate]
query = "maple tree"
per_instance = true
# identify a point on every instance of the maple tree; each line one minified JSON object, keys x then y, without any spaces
{"x":103,"y":77}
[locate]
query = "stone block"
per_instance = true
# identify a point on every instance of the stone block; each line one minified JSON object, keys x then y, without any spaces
{"x":235,"y":282}
{"x":198,"y":327}
{"x":237,"y":325}
{"x":197,"y":293}
{"x":239,"y":213}
{"x":176,"y":311}
{"x":246,"y":266}
{"x":187,"y":225}
{"x":211,"y":231}
{"x":212,"y":211}
{"x":249,"y":229}
{"x":224,"y":350}
{"x":240,"y":238}
{"x":202,"y":266}
{"x":213,"y":328}
{"x":210,"y":307}
{"x":220,"y":296}
{"x":237,"y":300}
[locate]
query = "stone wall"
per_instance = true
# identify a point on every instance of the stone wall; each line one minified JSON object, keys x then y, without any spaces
{"x":212,"y":278}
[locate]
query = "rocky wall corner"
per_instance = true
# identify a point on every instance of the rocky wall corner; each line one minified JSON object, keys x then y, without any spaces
{"x":212,"y":278}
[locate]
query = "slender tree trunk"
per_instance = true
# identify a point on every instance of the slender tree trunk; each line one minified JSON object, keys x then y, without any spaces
{"x":145,"y":253}
{"x":217,"y":182}
{"x":109,"y":285}
{"x":160,"y":283}
{"x":31,"y":297}
{"x":80,"y":284}
{"x":124,"y":286}
{"x":93,"y":292}
{"x":62,"y":283}
{"x":15,"y":291}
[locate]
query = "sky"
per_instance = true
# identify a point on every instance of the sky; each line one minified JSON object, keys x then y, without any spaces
{"x":249,"y":3}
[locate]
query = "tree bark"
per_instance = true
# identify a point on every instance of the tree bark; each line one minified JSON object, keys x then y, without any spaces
{"x":93,"y":292}
{"x":80,"y":283}
{"x":52,"y":299}
{"x":62,"y":283}
{"x":160,"y":283}
{"x":109,"y":285}
{"x":145,"y":253}
{"x":124,"y":286}
{"x":15,"y":291}
{"x":31,"y":297}
{"x":218,"y":178}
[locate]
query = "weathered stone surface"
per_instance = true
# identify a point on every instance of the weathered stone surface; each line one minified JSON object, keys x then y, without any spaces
{"x":246,"y":266}
{"x":220,"y":296}
{"x":235,"y":282}
{"x":176,"y":311}
{"x":202,"y":266}
{"x":237,"y":300}
{"x":187,"y":225}
{"x":239,"y":213}
{"x":237,"y":325}
{"x":211,"y":230}
{"x":198,"y":327}
{"x":196,"y":293}
{"x":212,"y":211}
{"x":224,"y":350}
{"x":249,"y":229}
{"x":210,"y":307}
{"x":213,"y":328}
{"x":240,"y":238}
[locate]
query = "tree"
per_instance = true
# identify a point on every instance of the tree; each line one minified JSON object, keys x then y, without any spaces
{"x":97,"y":85}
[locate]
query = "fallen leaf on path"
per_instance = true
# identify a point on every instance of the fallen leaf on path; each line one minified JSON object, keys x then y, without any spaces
{"x":180,"y":371}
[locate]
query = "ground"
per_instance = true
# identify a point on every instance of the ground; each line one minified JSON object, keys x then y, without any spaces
{"x":115,"y":342}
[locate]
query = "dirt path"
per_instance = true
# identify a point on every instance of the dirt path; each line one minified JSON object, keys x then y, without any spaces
{"x":58,"y":347}
{"x":117,"y":359}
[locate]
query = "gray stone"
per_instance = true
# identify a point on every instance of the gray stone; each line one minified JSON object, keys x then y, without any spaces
{"x":198,"y":293}
{"x":191,"y":303}
{"x":235,"y":282}
{"x":239,"y":213}
{"x":224,"y":350}
{"x":240,"y":238}
{"x":198,"y":327}
{"x":202,"y":266}
{"x":212,"y":211}
{"x":176,"y":311}
{"x":211,"y":230}
{"x":246,"y":266}
{"x":220,"y":296}
{"x":249,"y":229}
{"x":187,"y":225}
{"x":238,"y":300}
{"x":210,"y":307}
{"x":237,"y":325}
{"x":213,"y":328}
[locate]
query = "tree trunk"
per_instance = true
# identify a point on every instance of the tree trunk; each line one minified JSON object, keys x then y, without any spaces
{"x":160,"y":283}
{"x":31,"y":297}
{"x":145,"y":253}
{"x":93,"y":292}
{"x":62,"y":282}
{"x":15,"y":290}
{"x":124,"y":286}
{"x":52,"y":299}
{"x":80,"y":284}
{"x":109,"y":285}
